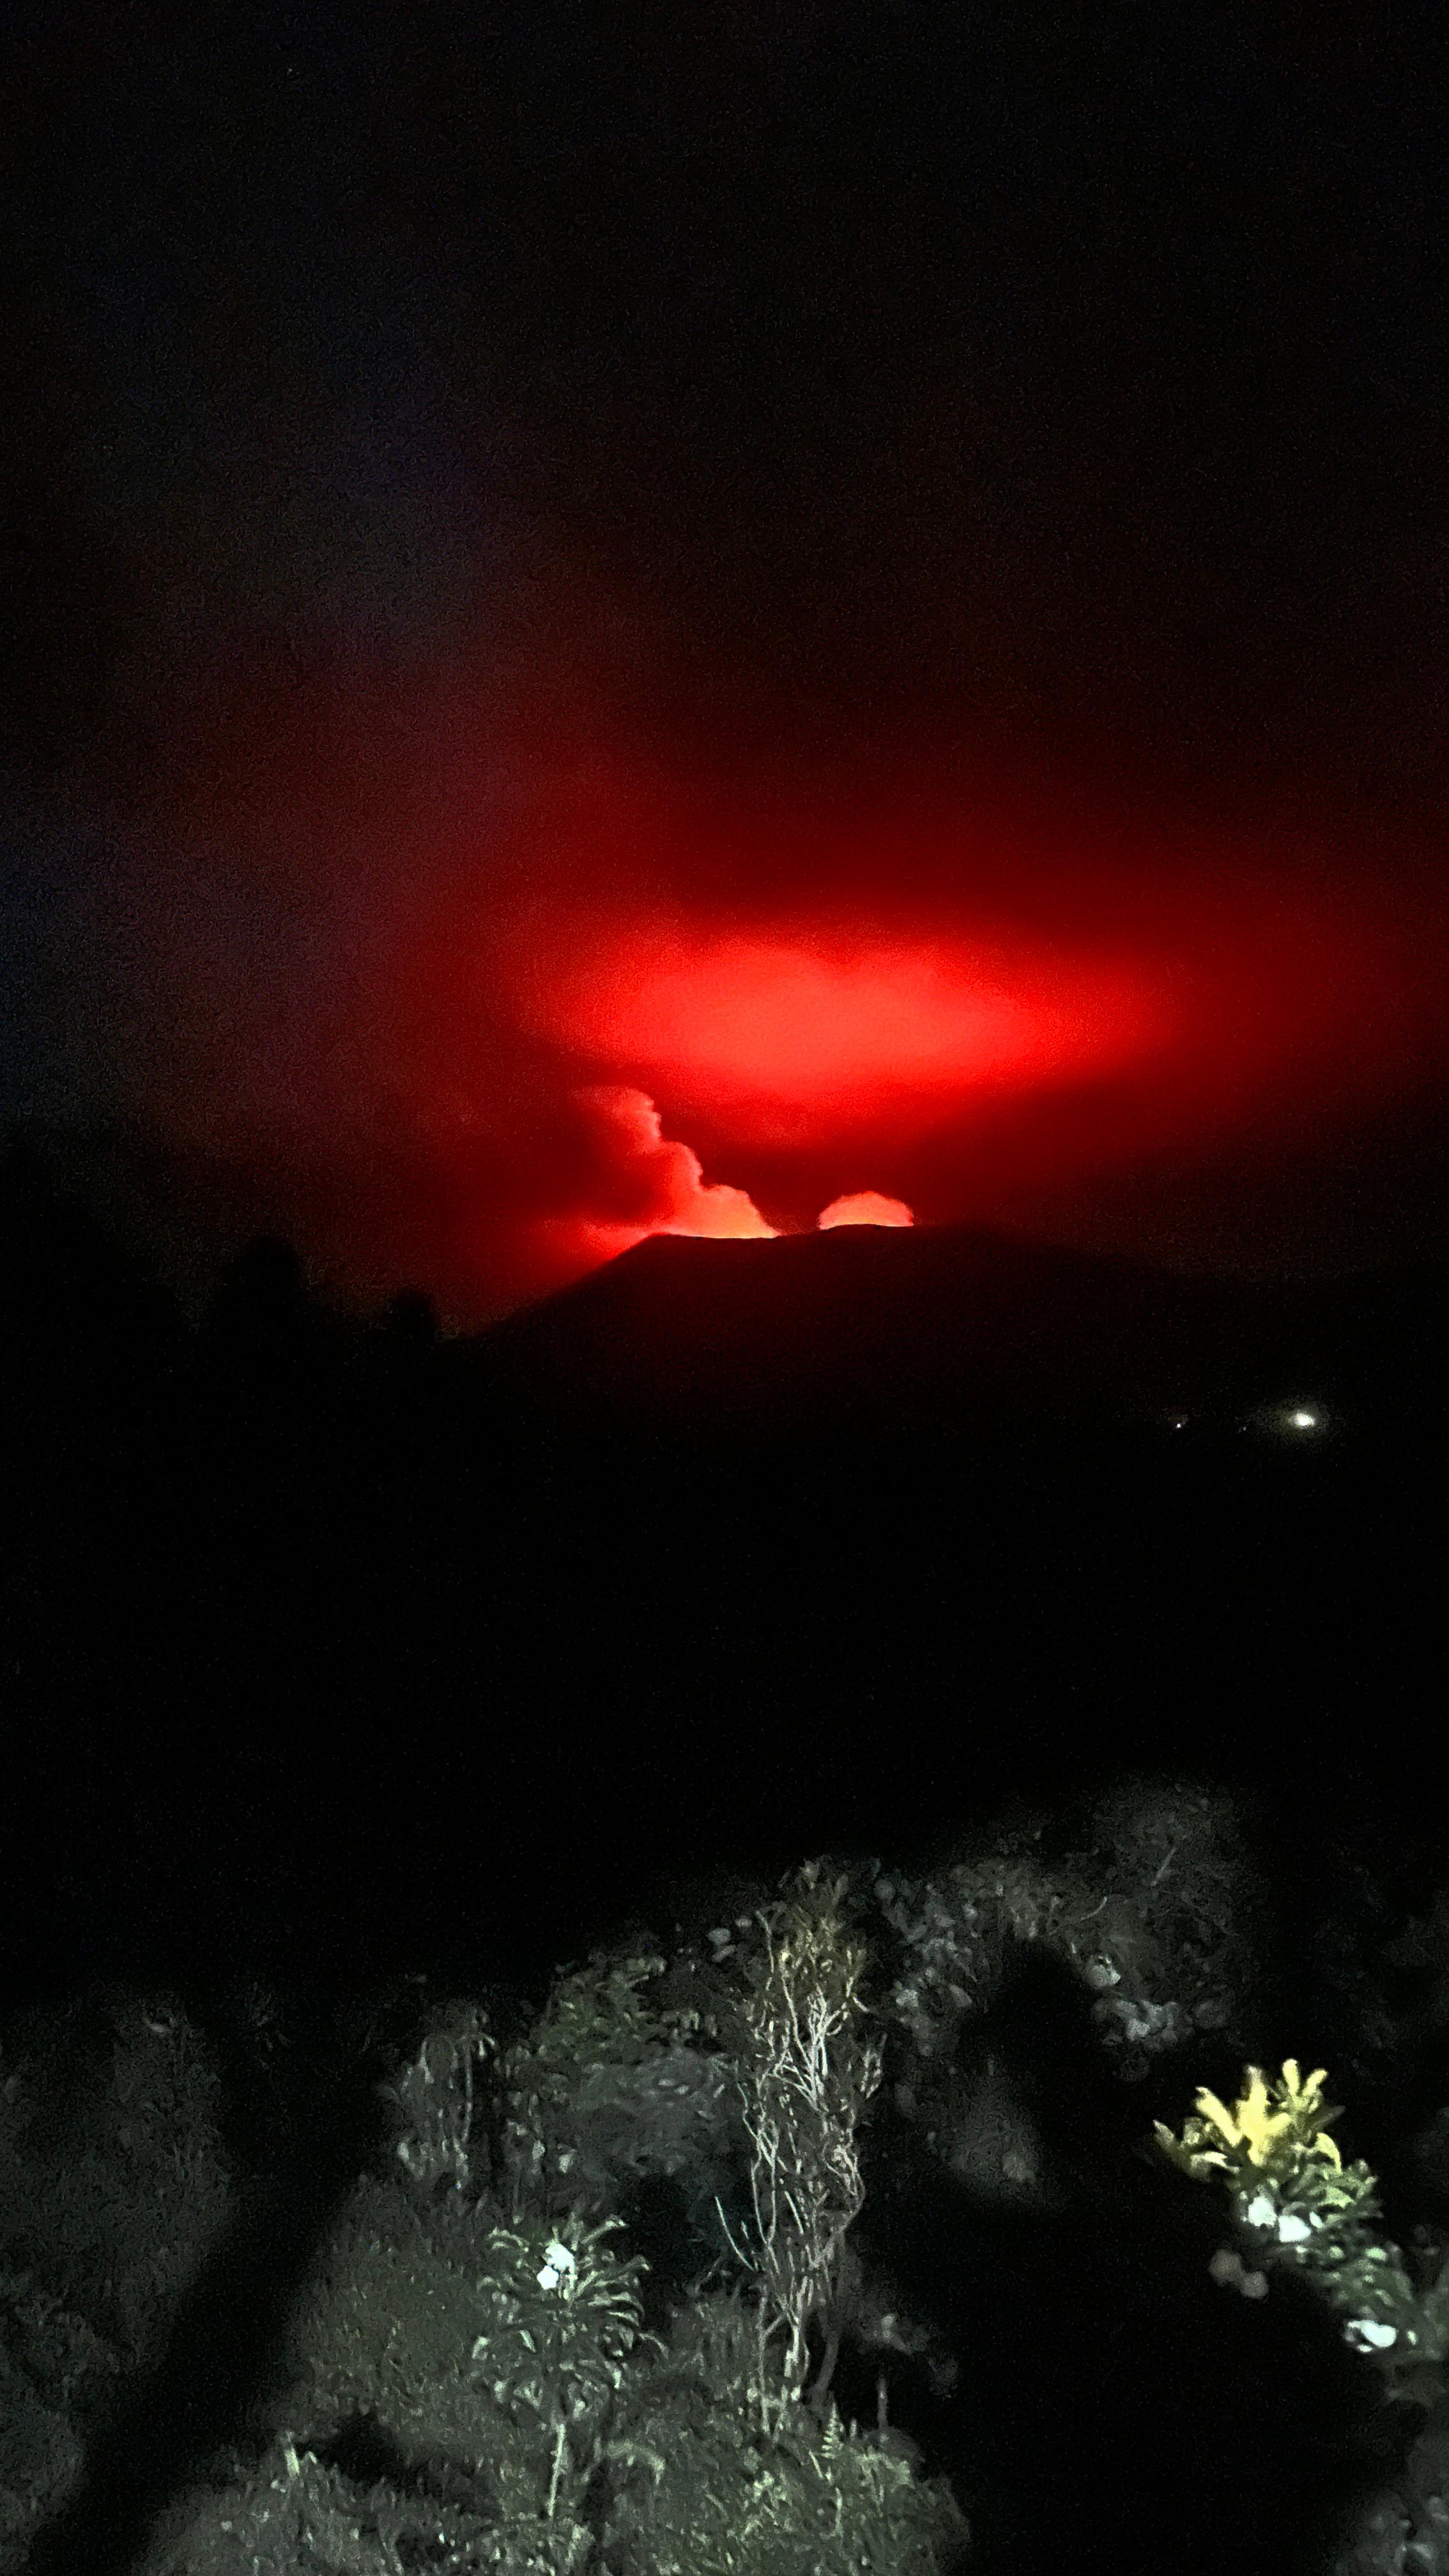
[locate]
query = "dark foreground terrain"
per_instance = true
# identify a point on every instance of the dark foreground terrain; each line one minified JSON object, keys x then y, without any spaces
{"x":338,"y":1656}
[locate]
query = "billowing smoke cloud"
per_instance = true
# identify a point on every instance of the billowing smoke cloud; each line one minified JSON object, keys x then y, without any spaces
{"x":645,"y":1183}
{"x":865,"y":1207}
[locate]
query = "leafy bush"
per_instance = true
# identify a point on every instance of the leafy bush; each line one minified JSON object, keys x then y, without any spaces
{"x":433,"y":2098}
{"x":708,"y":2492}
{"x":1156,"y":1912}
{"x":1294,"y":2199}
{"x":563,"y":2319}
{"x":613,"y":2085}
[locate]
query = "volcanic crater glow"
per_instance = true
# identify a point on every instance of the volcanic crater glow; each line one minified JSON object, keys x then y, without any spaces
{"x":623,"y":1061}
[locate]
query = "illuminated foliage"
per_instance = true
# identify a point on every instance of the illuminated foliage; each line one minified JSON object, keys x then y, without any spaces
{"x":808,"y":2074}
{"x":1293,"y":2198}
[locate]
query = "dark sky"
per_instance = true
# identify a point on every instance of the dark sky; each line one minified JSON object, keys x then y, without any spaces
{"x":857,"y":593}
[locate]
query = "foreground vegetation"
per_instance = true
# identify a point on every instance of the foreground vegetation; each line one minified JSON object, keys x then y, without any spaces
{"x":623,"y":2289}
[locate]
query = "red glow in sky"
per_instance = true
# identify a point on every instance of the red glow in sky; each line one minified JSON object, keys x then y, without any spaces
{"x":791,"y":1040}
{"x":731,"y":1067}
{"x":615,"y":1012}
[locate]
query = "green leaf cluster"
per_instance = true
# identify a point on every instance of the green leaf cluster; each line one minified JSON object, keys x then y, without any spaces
{"x":1294,"y":2200}
{"x":563,"y":2319}
{"x":564,"y":2316}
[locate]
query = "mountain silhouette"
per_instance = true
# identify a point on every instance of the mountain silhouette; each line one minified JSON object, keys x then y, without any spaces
{"x":907,"y":1320}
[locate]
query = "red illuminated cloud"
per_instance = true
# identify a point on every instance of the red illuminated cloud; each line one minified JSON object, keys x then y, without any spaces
{"x":645,"y":1183}
{"x":786,"y":1040}
{"x":865,"y":1207}
{"x":991,"y":1024}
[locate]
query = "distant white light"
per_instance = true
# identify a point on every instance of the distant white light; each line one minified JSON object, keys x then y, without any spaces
{"x":1302,"y":1421}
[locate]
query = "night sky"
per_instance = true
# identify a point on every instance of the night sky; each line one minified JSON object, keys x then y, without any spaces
{"x":665,"y":616}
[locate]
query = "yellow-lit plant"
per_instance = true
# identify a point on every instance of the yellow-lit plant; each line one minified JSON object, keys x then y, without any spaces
{"x":1260,"y":2133}
{"x":1295,"y":2200}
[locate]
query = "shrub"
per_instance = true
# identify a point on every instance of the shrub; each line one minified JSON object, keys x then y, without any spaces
{"x":1294,"y":2199}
